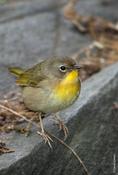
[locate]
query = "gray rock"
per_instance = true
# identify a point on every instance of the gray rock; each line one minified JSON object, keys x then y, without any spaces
{"x":33,"y":29}
{"x":29,"y":31}
{"x":23,"y":41}
{"x":97,"y":8}
{"x":19,"y":9}
{"x":92,"y":123}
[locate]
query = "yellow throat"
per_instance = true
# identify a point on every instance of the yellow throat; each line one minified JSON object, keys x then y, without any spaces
{"x":68,"y":89}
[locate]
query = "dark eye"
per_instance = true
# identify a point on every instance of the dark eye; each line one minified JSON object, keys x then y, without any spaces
{"x":62,"y":68}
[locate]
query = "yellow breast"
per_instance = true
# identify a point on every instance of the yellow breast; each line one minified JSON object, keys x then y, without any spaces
{"x":68,"y":89}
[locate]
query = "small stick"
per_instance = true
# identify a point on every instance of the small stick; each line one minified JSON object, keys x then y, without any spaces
{"x":61,"y":141}
{"x":72,"y":150}
{"x":15,"y":113}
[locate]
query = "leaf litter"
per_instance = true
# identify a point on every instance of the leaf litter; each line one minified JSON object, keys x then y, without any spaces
{"x":103,"y":51}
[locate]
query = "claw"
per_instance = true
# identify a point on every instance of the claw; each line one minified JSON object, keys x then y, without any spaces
{"x":43,"y":134}
{"x":46,"y":138}
{"x":62,"y":126}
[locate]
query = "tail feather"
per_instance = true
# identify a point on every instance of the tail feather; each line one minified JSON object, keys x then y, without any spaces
{"x":16,"y":71}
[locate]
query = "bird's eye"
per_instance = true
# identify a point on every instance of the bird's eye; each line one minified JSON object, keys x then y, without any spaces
{"x":62,"y":68}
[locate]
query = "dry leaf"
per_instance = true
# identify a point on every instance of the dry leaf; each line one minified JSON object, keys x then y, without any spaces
{"x":4,"y":149}
{"x":115,"y":105}
{"x":91,"y":24}
{"x":9,"y":121}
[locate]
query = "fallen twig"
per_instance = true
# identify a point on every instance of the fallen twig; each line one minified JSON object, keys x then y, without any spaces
{"x":72,"y":150}
{"x":4,"y":149}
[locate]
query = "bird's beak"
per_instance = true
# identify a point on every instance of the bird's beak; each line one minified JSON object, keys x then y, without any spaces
{"x":77,"y":67}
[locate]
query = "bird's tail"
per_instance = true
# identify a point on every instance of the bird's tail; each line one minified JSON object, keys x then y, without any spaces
{"x":16,"y":71}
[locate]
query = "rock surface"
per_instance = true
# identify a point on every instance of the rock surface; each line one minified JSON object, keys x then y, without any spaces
{"x":32,"y":29}
{"x":92,"y":123}
{"x":29,"y":31}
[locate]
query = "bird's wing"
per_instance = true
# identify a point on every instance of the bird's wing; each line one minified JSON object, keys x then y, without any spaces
{"x":31,"y":77}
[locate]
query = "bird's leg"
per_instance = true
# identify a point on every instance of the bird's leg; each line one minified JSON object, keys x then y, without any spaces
{"x":62,"y":126}
{"x":28,"y":128}
{"x":43,"y":133}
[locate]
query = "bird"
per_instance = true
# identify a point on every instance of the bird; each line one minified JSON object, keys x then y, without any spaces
{"x":49,"y":87}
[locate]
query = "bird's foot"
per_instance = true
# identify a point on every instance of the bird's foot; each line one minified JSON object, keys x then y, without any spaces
{"x":28,"y":128}
{"x":43,"y":133}
{"x":62,"y":126}
{"x":46,"y":138}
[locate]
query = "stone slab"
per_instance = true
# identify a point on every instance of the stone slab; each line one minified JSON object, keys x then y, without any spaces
{"x":92,"y":123}
{"x":31,"y":30}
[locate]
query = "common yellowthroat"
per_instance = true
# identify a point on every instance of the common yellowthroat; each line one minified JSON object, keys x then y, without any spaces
{"x":50,"y":86}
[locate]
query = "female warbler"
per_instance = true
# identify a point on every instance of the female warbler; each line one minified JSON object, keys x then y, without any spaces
{"x":50,"y":86}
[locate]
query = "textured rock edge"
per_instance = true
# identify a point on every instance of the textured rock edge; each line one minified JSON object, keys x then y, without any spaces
{"x":91,"y":89}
